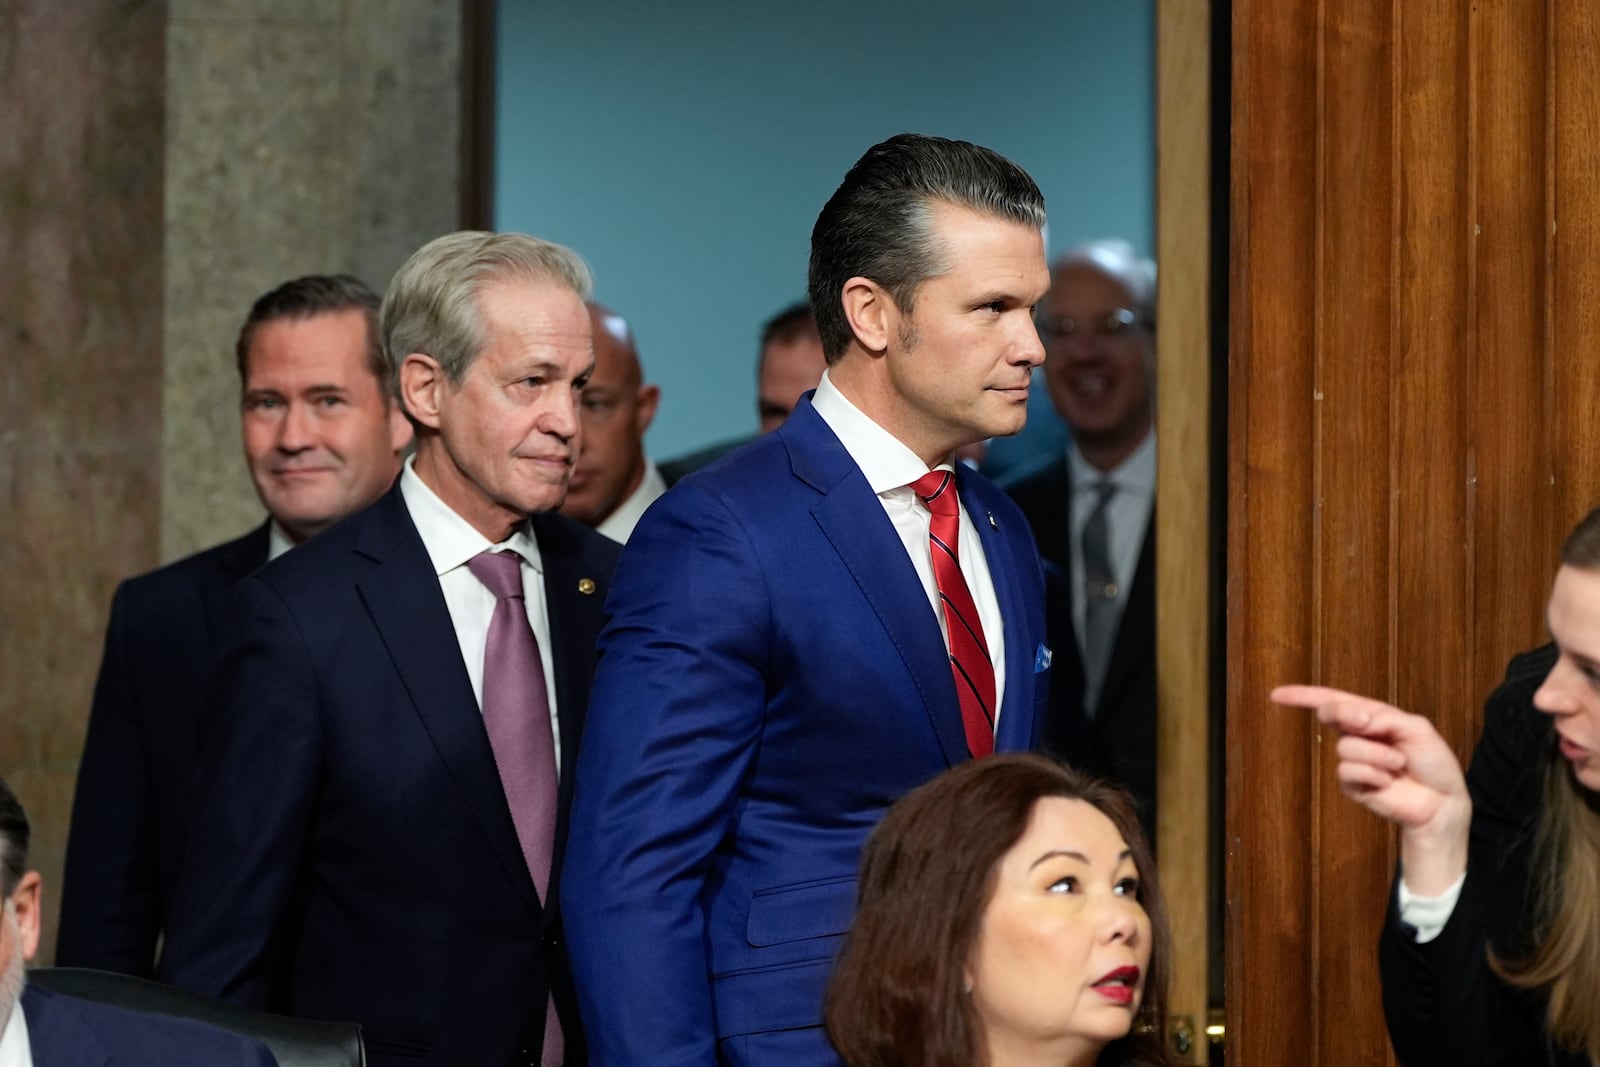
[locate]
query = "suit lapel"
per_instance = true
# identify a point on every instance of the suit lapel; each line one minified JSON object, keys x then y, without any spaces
{"x":1136,"y":622}
{"x":235,"y":561}
{"x":1016,"y":726}
{"x":574,"y":592}
{"x":402,"y":596}
{"x":851,"y":517}
{"x":1050,"y":511}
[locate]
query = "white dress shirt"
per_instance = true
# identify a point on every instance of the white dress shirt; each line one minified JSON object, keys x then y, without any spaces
{"x":890,"y":468}
{"x":452,"y":542}
{"x":620,"y":523}
{"x":14,"y":1048}
{"x":1428,"y":915}
{"x":277,"y":541}
{"x":1127,"y":518}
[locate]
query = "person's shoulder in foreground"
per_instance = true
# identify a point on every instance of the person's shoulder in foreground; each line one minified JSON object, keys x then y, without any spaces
{"x":65,"y":1031}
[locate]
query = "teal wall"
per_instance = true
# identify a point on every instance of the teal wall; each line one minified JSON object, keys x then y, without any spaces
{"x":684,"y":148}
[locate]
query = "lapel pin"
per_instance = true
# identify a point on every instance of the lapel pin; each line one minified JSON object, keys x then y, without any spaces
{"x":992,"y":524}
{"x":586,"y":586}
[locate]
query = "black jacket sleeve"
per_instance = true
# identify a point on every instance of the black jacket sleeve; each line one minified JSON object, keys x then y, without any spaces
{"x":1443,"y":1003}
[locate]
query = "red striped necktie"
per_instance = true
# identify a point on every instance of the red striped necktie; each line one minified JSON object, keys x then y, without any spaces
{"x":969,"y":652}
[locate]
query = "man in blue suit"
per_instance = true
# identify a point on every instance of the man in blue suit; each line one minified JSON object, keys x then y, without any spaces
{"x":58,"y":1031}
{"x":323,"y":438}
{"x":380,"y":803}
{"x":810,"y":627}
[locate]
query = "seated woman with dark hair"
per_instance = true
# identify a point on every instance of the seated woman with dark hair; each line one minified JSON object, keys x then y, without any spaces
{"x":1008,"y":916}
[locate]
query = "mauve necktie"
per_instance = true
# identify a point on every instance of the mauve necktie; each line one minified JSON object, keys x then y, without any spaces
{"x":516,"y":714}
{"x":969,"y":652}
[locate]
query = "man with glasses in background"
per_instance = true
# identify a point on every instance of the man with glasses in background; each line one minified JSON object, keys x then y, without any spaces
{"x":1093,"y":514}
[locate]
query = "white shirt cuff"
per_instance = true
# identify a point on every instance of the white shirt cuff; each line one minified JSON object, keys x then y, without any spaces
{"x":1428,"y":915}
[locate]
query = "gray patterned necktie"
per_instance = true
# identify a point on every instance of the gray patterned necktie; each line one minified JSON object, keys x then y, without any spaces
{"x":1100,"y":592}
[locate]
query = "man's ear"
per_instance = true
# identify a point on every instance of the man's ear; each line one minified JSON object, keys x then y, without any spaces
{"x":645,"y":410}
{"x":422,"y":385}
{"x":871,"y":313}
{"x":25,"y":905}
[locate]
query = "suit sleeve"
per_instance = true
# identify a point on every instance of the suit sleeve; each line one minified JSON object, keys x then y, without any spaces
{"x":255,"y":796}
{"x":674,"y":718}
{"x":111,"y":891}
{"x":1443,"y":1002}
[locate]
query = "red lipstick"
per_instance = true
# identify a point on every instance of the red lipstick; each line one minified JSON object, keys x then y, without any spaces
{"x":1119,"y":985}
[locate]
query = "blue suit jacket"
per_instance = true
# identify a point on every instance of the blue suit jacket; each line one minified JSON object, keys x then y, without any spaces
{"x":772,"y":678}
{"x":353,"y":856}
{"x":68,"y":1032}
{"x":131,"y":813}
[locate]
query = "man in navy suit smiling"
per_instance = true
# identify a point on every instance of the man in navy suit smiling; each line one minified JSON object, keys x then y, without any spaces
{"x":323,"y":438}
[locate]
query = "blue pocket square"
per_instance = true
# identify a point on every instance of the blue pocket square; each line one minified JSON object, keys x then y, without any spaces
{"x":1041,"y":659}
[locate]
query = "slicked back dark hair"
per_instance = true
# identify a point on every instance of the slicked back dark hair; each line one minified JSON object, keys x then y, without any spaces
{"x":315,"y":294}
{"x":879,"y":222}
{"x":14,"y":835}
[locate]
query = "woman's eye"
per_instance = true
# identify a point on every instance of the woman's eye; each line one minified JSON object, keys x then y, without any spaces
{"x":1067,"y":884}
{"x":1128,"y":887}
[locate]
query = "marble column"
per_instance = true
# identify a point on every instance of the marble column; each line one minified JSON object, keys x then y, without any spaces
{"x":161,"y":165}
{"x":303,"y":137}
{"x":81,"y":171}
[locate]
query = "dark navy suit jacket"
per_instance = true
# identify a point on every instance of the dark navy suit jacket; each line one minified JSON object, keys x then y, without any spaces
{"x":131,"y":814}
{"x":1118,"y":739}
{"x":68,"y":1032}
{"x":772,"y":678}
{"x":353,"y":856}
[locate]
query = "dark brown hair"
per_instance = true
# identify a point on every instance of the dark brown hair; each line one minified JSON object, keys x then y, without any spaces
{"x":927,"y":875}
{"x":314,"y":294}
{"x":879,"y":222}
{"x":14,"y":835}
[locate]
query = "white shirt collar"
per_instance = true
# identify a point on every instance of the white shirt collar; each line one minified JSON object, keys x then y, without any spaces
{"x":1137,"y":472}
{"x":620,"y":523}
{"x":278,"y":541}
{"x":883,"y":458}
{"x":15,"y":1050}
{"x":452,"y":541}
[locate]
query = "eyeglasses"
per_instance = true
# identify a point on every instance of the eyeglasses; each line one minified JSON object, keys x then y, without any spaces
{"x":1116,"y":324}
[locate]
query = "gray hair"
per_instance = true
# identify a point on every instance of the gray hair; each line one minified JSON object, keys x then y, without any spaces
{"x":879,"y":222}
{"x":1116,"y":259}
{"x":431,"y":305}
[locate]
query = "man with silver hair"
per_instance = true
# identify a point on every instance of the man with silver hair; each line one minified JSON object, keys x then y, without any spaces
{"x":1092,"y":512}
{"x":54,"y":1029}
{"x":380,"y":803}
